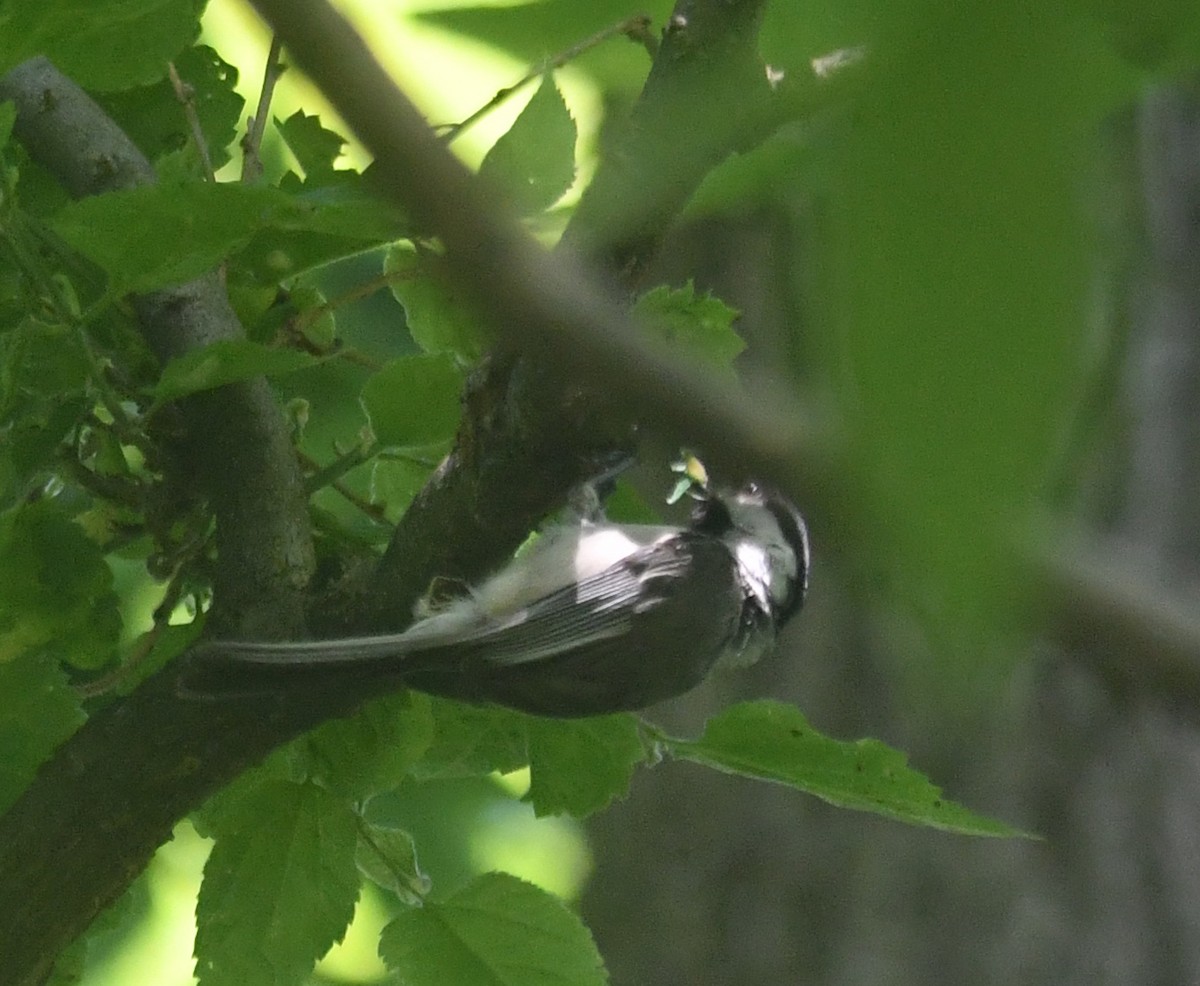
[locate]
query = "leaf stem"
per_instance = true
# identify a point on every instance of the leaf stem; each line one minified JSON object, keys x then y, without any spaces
{"x":252,"y":166}
{"x":636,"y":28}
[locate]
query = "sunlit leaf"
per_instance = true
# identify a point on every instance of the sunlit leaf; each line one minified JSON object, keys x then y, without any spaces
{"x":496,"y":931}
{"x":414,"y":400}
{"x":534,"y":163}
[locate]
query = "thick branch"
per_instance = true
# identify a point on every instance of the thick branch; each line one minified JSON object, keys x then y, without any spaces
{"x":1136,"y":632}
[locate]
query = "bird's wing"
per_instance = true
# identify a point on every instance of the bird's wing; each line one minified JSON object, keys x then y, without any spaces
{"x":599,"y":607}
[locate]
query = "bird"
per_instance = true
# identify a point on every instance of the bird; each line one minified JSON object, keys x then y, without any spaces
{"x":595,"y":617}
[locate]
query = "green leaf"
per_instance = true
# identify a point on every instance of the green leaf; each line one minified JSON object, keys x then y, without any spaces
{"x":100,"y":44}
{"x":414,"y":400}
{"x":528,"y":30}
{"x":700,"y":325}
{"x":56,"y":592}
{"x":388,"y":857}
{"x":496,"y":931}
{"x":396,"y":480}
{"x":227,"y":361}
{"x":8,"y":116}
{"x":534,"y":163}
{"x":315,"y":148}
{"x":580,"y":765}
{"x":437,"y":319}
{"x":153,"y":119}
{"x":372,"y":750}
{"x":279,"y":887}
{"x":41,"y":364}
{"x":771,"y":741}
{"x":473,"y":741}
{"x":38,"y":710}
{"x":163,"y":234}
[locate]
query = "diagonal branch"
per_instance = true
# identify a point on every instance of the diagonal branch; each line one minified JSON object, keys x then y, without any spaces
{"x":548,"y":305}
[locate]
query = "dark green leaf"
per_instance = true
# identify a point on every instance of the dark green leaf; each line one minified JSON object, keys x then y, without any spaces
{"x":580,"y":765}
{"x":473,"y":741}
{"x":699,"y":325}
{"x":496,"y":931}
{"x":157,"y":235}
{"x":279,"y":887}
{"x":100,"y":44}
{"x":534,"y":163}
{"x":56,"y":592}
{"x":227,"y":361}
{"x":164,"y":234}
{"x":316,"y":149}
{"x":8,"y":116}
{"x":40,"y":710}
{"x":41,"y":364}
{"x":155,"y":121}
{"x":371,"y":751}
{"x":414,"y":400}
{"x":774,"y":742}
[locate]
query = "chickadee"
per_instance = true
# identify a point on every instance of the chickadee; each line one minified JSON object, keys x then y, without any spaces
{"x":593,"y":618}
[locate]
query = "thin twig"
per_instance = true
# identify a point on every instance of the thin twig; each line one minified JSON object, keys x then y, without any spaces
{"x":145,"y":643}
{"x":323,"y":476}
{"x":357,"y":293}
{"x":318,"y":480}
{"x":252,"y":166}
{"x":186,"y":95}
{"x":636,"y":28}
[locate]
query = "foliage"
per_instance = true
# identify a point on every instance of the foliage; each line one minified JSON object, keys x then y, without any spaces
{"x":945,"y":326}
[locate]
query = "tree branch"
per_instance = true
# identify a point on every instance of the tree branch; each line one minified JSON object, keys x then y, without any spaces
{"x":1134,"y":631}
{"x":121,"y":793}
{"x":580,"y":331}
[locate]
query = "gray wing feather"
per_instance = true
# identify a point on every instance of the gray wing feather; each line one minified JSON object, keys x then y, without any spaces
{"x":596,"y":609}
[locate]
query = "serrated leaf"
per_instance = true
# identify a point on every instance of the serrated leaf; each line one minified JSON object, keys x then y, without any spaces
{"x":771,"y":741}
{"x":473,"y":741}
{"x":56,"y":590}
{"x":414,"y":400}
{"x":279,"y":886}
{"x":227,"y":361}
{"x":534,"y":163}
{"x":388,"y":857}
{"x":38,"y":710}
{"x":157,"y":235}
{"x":162,"y":234}
{"x":436,"y":318}
{"x":40,"y":364}
{"x":153,"y":119}
{"x":101,"y":44}
{"x":496,"y":931}
{"x":372,"y":750}
{"x":579,"y":765}
{"x":315,"y":148}
{"x":698,"y":324}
